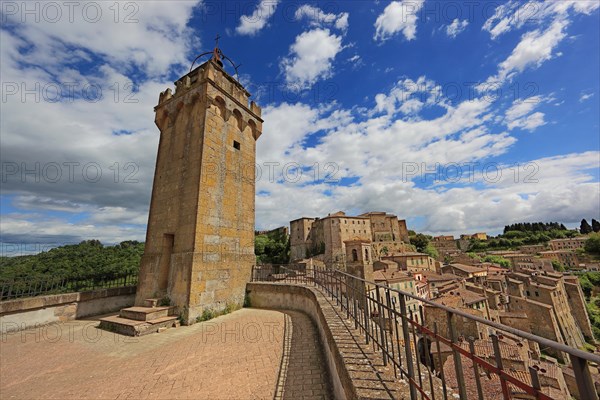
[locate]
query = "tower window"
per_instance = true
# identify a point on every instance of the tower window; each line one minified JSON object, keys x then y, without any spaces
{"x":236,"y":145}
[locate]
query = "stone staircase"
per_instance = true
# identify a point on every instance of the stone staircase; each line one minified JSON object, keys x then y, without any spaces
{"x":139,"y":321}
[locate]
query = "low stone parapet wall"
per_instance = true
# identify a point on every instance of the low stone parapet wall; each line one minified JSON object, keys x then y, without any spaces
{"x":30,"y":312}
{"x":354,"y":370}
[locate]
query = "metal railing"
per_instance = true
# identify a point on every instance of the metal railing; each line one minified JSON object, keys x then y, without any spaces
{"x":15,"y":289}
{"x":413,"y":348}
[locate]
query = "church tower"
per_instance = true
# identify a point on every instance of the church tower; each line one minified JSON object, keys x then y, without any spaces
{"x":200,"y":240}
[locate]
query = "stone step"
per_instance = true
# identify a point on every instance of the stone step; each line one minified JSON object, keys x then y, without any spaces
{"x":150,"y":302}
{"x":146,"y":313}
{"x":131,"y":327}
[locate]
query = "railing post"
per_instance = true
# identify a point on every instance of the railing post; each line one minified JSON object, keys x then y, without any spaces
{"x":409,"y":357}
{"x":585,"y":384}
{"x":460,"y":379}
{"x":476,"y":369}
{"x":366,"y":312}
{"x":380,"y":317}
{"x":440,"y":363}
{"x":498,"y":357}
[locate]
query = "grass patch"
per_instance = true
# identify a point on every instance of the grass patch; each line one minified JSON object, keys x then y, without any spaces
{"x":209,"y":314}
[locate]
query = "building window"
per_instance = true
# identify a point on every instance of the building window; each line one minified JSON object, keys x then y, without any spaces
{"x":537,"y":293}
{"x":366,"y":254}
{"x":238,"y":119}
{"x":354,"y":255}
{"x":236,"y":145}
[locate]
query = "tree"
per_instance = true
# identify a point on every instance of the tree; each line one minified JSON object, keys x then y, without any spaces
{"x":592,"y":245}
{"x":558,"y":266}
{"x":585,"y":228}
{"x":503,"y":262}
{"x":431,"y":251}
{"x":420,"y":241}
{"x":595,"y":225}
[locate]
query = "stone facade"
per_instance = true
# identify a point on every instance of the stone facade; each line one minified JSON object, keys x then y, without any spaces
{"x":577,"y":305}
{"x":568,"y":244}
{"x":552,"y":314}
{"x":414,"y":262}
{"x":403,"y":281}
{"x":568,"y":258}
{"x":200,"y":240}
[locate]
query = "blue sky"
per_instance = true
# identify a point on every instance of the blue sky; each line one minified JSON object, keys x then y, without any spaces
{"x":457,"y":116}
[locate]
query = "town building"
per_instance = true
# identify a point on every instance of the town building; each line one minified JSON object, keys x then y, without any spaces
{"x":325,"y":237}
{"x":468,"y":272}
{"x":568,"y":243}
{"x":568,"y":258}
{"x":403,"y":281}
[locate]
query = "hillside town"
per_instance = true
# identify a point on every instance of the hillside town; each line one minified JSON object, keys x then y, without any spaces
{"x":534,"y":288}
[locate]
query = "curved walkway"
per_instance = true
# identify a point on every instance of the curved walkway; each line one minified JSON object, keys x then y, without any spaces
{"x":248,"y":354}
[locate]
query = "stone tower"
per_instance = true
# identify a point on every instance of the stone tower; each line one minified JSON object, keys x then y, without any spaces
{"x":200,"y":240}
{"x":359,"y":262}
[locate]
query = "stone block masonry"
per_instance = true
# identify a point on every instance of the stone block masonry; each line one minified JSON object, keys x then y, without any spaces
{"x":200,"y":240}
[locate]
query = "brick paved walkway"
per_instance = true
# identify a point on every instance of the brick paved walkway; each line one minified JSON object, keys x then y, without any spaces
{"x":238,"y":356}
{"x":302,"y":373}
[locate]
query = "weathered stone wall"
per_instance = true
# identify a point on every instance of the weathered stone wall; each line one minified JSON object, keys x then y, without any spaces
{"x":300,"y":238}
{"x":576,"y":303}
{"x":30,"y":312}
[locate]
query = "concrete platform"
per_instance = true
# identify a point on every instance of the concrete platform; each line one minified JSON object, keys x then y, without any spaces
{"x":146,"y":313}
{"x":131,"y":327}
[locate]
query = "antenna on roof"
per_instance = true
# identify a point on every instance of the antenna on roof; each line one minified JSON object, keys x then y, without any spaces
{"x":218,"y":57}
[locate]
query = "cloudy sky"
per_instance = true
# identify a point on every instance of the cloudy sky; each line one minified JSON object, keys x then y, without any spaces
{"x":457,"y":116}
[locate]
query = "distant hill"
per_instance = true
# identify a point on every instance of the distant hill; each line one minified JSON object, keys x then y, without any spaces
{"x":88,"y":258}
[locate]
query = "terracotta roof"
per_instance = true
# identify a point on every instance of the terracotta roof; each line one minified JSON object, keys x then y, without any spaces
{"x":491,"y":386}
{"x":408,"y":254}
{"x":435,"y":277}
{"x":391,"y":276}
{"x":459,"y":297}
{"x":468,"y":268}
{"x":485,"y":349}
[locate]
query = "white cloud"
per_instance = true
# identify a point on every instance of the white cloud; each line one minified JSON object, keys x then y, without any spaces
{"x":254,"y":23}
{"x":378,"y":151}
{"x":73,"y":140}
{"x":311,"y":58}
{"x":398,"y":16}
{"x":456,"y":27}
{"x":151,"y":35}
{"x":520,"y":114}
{"x":533,"y":50}
{"x":585,"y":97}
{"x":516,"y":14}
{"x":318,"y":18}
{"x":409,"y":97}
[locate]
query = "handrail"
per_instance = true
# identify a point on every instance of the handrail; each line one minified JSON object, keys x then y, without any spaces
{"x":376,"y":308}
{"x":546,"y":342}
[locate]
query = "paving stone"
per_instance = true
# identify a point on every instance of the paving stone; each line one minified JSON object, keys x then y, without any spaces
{"x":223,"y":358}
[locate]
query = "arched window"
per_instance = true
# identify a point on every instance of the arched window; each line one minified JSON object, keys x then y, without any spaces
{"x":354,"y":255}
{"x":366,"y":254}
{"x":254,"y":129}
{"x":238,"y":119}
{"x":220,"y":103}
